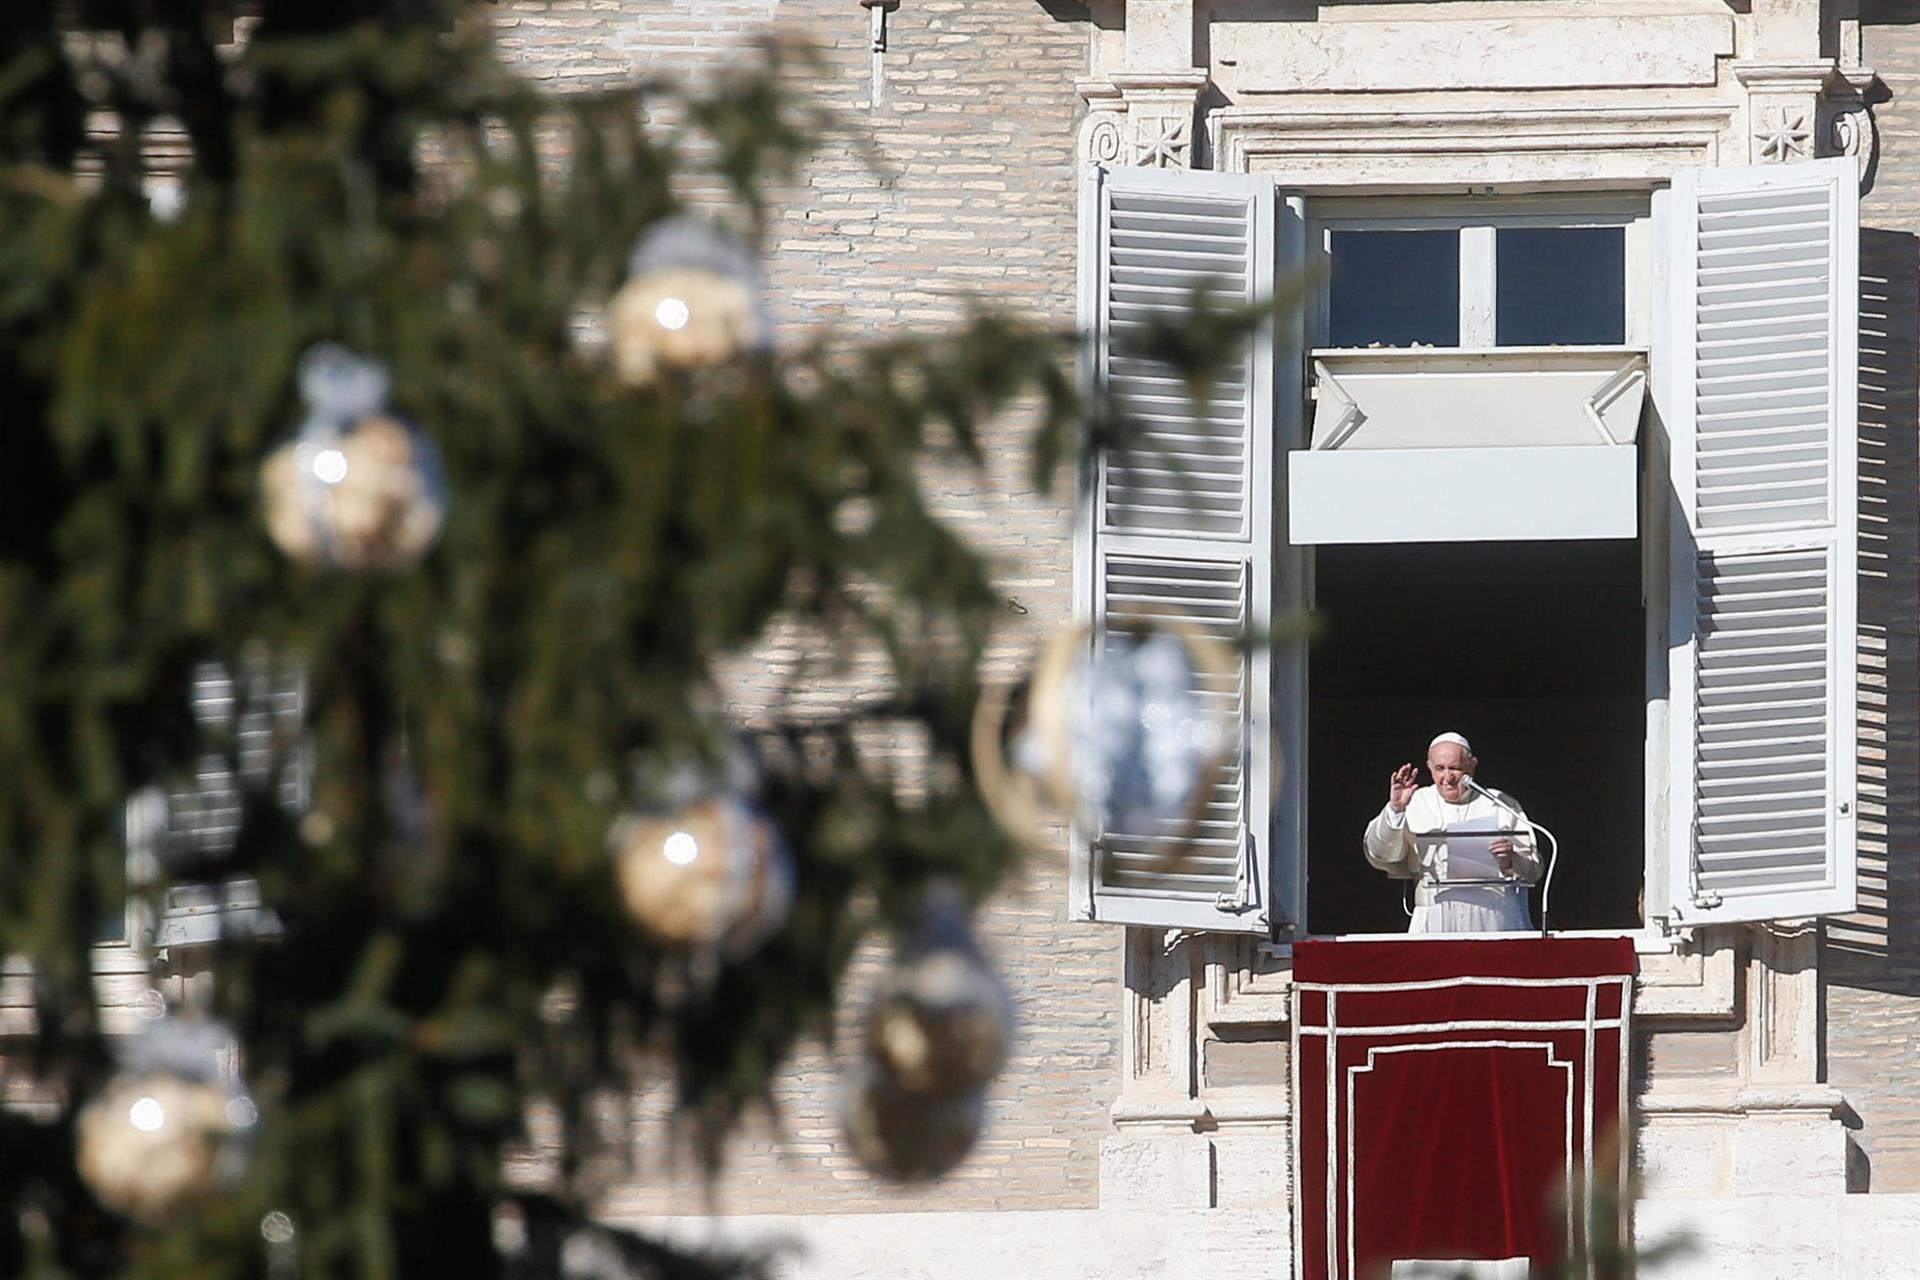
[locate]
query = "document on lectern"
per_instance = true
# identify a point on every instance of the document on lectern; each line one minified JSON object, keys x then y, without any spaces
{"x":1469,"y":856}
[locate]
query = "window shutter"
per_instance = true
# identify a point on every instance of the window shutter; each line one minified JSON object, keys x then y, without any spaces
{"x":1182,"y":527}
{"x":1758,"y":379}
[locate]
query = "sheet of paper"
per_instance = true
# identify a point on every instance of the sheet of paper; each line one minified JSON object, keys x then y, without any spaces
{"x":1468,"y":855}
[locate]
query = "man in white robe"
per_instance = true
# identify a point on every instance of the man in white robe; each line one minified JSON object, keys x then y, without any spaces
{"x":1408,"y":841}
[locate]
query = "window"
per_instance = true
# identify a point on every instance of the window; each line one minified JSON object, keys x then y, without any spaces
{"x":1721,"y":635}
{"x":1559,"y":286}
{"x":1515,"y":273}
{"x":1393,"y":288}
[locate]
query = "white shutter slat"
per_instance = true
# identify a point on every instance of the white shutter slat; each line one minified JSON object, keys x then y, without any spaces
{"x":1157,"y":247}
{"x":1760,"y":405}
{"x":1766,"y":258}
{"x":1176,"y":527}
{"x":1210,"y":596}
{"x":1774,"y":604}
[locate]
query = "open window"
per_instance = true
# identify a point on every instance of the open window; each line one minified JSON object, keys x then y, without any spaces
{"x":1640,"y":608}
{"x":1536,"y":652}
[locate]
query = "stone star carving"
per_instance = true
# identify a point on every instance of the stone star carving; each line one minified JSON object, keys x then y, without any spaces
{"x":1160,"y":142}
{"x":1783,"y":134}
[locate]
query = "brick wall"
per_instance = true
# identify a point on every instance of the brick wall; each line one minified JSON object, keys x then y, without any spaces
{"x":975,"y":130}
{"x":975,"y":124}
{"x":1871,"y":961}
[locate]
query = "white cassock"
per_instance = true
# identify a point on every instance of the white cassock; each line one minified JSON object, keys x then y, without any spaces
{"x":1412,"y":844}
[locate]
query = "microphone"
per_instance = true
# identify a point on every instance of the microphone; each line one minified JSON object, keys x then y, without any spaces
{"x":1467,"y":781}
{"x":1546,"y":887}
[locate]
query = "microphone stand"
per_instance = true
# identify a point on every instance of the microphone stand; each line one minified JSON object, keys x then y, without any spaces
{"x":1553,"y":842}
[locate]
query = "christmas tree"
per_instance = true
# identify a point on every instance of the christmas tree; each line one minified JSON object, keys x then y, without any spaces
{"x":393,"y":461}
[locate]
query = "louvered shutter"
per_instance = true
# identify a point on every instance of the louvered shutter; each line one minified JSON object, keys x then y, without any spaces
{"x":1756,"y":367}
{"x":1180,"y":526}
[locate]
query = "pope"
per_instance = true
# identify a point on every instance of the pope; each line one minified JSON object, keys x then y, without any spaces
{"x":1408,"y":841}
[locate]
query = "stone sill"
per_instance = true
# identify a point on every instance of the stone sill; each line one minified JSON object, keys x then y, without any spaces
{"x":1861,"y":1237}
{"x":1690,"y":978}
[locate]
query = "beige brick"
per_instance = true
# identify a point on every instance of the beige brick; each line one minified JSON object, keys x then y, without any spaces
{"x":976,"y":128}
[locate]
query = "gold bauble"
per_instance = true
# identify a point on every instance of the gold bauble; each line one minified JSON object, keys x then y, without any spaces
{"x":365,"y":499}
{"x":150,"y":1143}
{"x":680,"y":317}
{"x":711,"y":873}
{"x":288,"y":523}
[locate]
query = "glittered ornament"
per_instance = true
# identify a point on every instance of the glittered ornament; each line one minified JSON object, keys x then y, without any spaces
{"x":169,"y":1126}
{"x":1126,"y":735}
{"x":357,"y":488}
{"x":714,"y":873}
{"x":906,"y":1137}
{"x":692,"y":298}
{"x":941,"y":1020}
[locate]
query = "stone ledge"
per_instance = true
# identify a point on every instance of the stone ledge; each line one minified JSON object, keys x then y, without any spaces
{"x":1735,"y":1103}
{"x":1861,"y":1237}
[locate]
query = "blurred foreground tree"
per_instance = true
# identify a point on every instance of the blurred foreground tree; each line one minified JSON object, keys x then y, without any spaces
{"x":463,"y":677}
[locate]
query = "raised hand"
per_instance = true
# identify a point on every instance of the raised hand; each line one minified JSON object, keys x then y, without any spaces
{"x":1401,"y":786}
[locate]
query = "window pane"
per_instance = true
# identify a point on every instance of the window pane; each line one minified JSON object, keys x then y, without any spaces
{"x":1562,"y":286}
{"x":1394,"y":288}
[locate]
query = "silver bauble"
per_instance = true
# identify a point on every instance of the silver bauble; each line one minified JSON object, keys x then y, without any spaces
{"x":905,"y":1137}
{"x":941,"y":1020}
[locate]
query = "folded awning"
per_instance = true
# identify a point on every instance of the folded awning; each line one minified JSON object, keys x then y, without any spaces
{"x":1423,"y":445}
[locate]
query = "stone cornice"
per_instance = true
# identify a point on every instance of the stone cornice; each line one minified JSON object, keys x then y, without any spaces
{"x":1375,"y":147}
{"x":1123,"y":84}
{"x":1191,"y":81}
{"x":1473,"y":121}
{"x":1253,"y":1107}
{"x":1152,"y":1107}
{"x":1810,"y":77}
{"x":1825,"y":76}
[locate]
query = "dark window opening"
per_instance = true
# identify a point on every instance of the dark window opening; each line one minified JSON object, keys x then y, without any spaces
{"x":1534,"y":651}
{"x":1560,"y":286}
{"x":1394,"y":288}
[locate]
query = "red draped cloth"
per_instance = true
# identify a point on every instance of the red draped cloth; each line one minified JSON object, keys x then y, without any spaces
{"x":1447,"y":1094}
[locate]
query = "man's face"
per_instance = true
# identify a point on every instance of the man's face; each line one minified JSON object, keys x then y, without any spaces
{"x":1449,"y":763}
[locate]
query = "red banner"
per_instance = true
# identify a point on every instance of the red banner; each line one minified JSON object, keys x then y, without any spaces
{"x":1451,"y":1098}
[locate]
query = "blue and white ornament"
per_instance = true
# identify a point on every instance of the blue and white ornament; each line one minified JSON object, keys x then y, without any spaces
{"x":1116,"y":734}
{"x":1140,"y":739}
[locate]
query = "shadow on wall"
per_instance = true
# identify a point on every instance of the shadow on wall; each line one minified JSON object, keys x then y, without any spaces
{"x":1878,"y":948}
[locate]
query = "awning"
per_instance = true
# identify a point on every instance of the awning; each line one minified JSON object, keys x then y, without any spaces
{"x":1424,"y":445}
